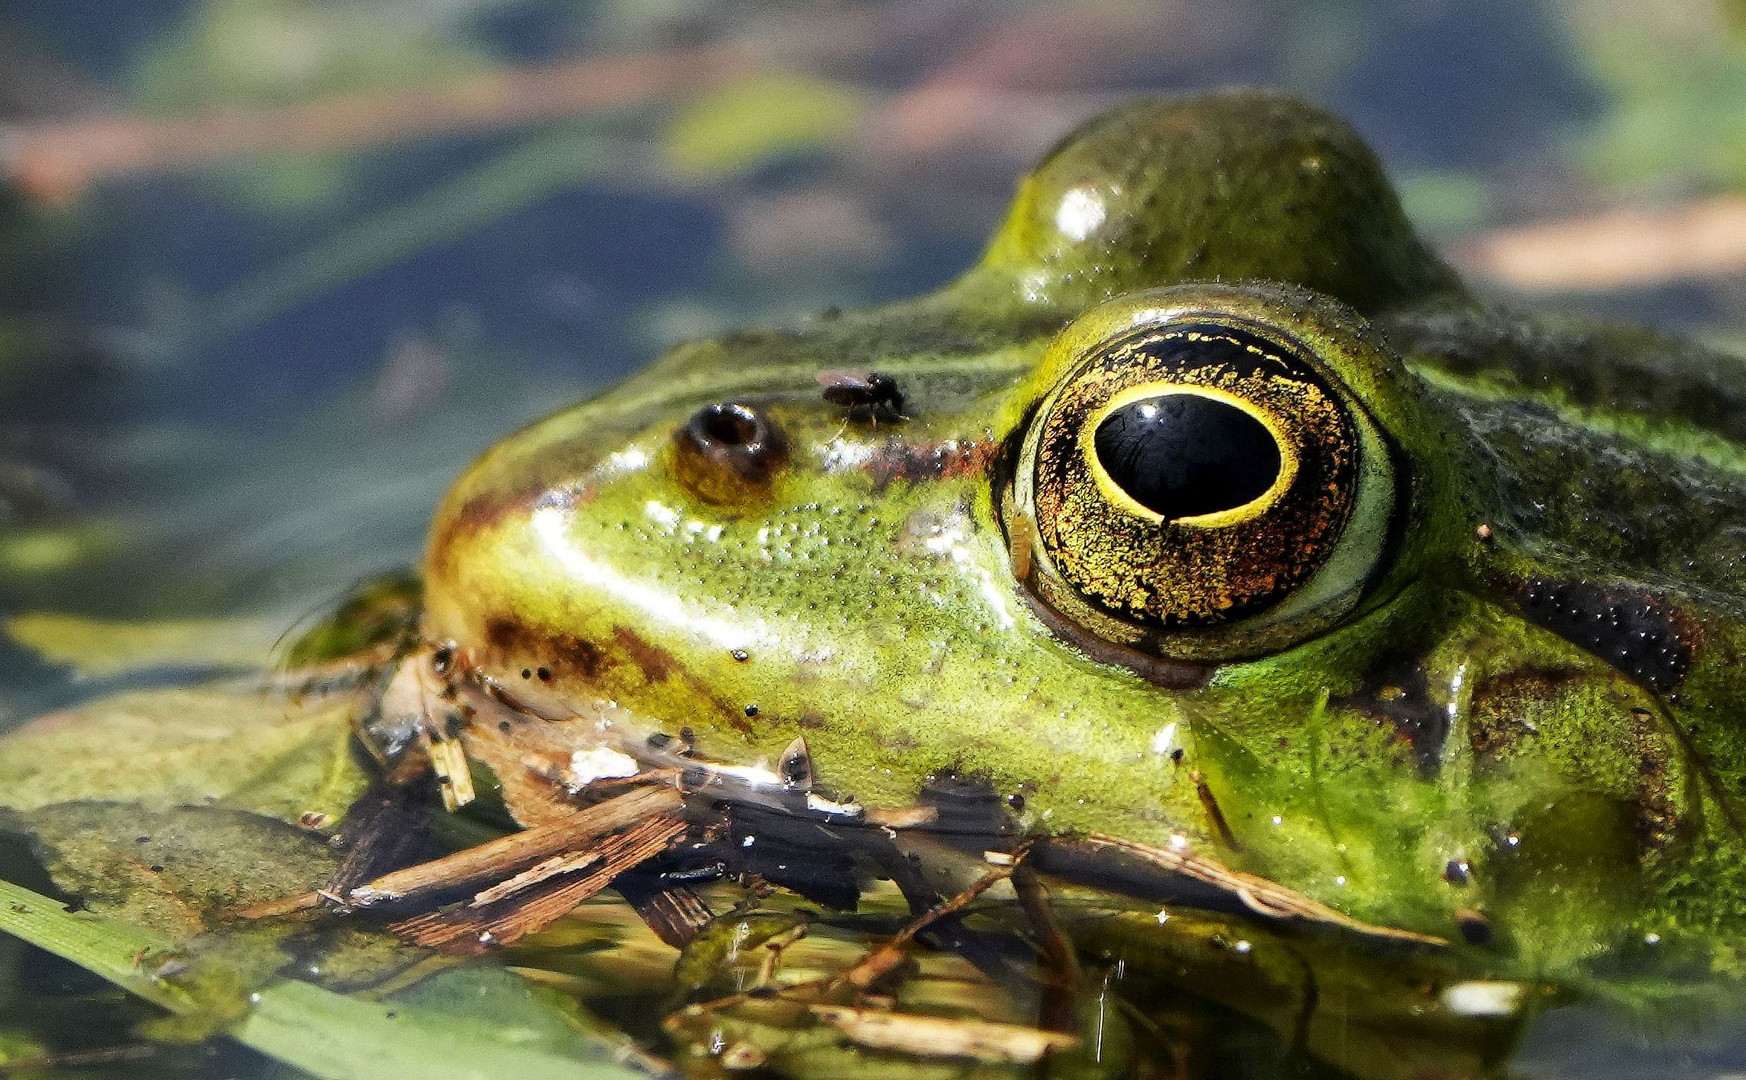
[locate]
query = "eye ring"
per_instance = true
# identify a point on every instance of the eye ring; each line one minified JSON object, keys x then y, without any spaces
{"x":1263,"y":562}
{"x":1285,"y":472}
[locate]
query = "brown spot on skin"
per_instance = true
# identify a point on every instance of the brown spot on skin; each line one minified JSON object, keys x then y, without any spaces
{"x":657,"y":665}
{"x":562,"y":652}
{"x":479,"y":513}
{"x":899,"y":459}
{"x":1658,"y":818}
{"x":653,"y":661}
{"x":558,"y":654}
{"x":895,"y":741}
{"x":1494,"y":725}
{"x":1396,"y":692}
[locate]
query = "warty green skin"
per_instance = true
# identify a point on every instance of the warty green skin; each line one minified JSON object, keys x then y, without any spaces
{"x":872,"y":595}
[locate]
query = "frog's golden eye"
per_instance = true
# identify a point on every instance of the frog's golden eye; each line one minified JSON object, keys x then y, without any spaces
{"x":1191,"y":483}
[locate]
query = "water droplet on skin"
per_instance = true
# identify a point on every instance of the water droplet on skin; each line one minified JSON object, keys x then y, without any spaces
{"x":1164,"y":740}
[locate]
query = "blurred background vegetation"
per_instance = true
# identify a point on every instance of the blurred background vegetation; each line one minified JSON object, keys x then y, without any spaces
{"x":271,"y":271}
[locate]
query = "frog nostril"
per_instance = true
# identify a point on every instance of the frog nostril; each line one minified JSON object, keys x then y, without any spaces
{"x":728,"y":453}
{"x":729,"y":425}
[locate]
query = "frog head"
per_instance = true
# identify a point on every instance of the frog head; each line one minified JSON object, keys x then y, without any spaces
{"x":1208,"y":511}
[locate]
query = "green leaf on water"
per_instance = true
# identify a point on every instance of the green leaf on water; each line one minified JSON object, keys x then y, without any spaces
{"x":166,"y":808}
{"x":102,"y":647}
{"x":105,"y":948}
{"x":175,"y":872}
{"x":465,"y":1024}
{"x":473,"y":1021}
{"x":243,"y":749}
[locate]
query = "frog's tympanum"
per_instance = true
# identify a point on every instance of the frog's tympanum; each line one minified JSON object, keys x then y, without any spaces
{"x":1207,"y":543}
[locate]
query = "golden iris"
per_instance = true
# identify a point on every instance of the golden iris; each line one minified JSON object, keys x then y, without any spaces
{"x":1191,"y":474}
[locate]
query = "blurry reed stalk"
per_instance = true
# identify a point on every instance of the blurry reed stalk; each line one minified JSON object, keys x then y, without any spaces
{"x":55,"y":162}
{"x":1621,"y":249}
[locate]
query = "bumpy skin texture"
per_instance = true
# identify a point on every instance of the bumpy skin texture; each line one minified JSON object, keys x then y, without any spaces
{"x":1529,"y":705}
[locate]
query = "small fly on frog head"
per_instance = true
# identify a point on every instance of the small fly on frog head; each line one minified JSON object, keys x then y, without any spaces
{"x":867,"y":395}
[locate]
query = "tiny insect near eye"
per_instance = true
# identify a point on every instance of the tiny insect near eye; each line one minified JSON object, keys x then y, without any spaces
{"x":867,"y":395}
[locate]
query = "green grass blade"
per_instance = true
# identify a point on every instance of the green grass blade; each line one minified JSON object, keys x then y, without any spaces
{"x":476,"y":1023}
{"x":101,"y":947}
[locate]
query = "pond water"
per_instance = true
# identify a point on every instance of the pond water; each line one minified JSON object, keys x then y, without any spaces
{"x":240,"y":363}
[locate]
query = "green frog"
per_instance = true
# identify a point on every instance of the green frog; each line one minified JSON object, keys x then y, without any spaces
{"x":1209,"y":516}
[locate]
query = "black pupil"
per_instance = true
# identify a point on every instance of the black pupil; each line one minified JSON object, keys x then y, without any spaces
{"x":1183,"y":455}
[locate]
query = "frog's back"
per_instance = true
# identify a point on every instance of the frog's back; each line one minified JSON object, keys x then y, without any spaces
{"x":1623,"y":448}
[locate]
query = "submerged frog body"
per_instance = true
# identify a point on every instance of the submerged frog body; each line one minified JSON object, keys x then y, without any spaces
{"x":1209,"y":513}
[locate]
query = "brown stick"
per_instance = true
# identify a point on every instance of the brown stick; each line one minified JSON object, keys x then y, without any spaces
{"x":533,"y":875}
{"x":675,"y":913}
{"x":517,"y":851}
{"x":889,"y":956}
{"x":477,"y":928}
{"x":1057,"y":948}
{"x":938,"y":1036}
{"x":1258,"y":895}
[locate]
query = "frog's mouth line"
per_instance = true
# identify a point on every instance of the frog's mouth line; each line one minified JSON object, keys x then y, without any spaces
{"x":778,"y":825}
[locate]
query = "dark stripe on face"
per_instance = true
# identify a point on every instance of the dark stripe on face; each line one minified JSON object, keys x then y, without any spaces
{"x":1631,"y":630}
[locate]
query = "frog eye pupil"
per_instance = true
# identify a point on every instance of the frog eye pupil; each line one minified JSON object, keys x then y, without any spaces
{"x":1185,"y":454}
